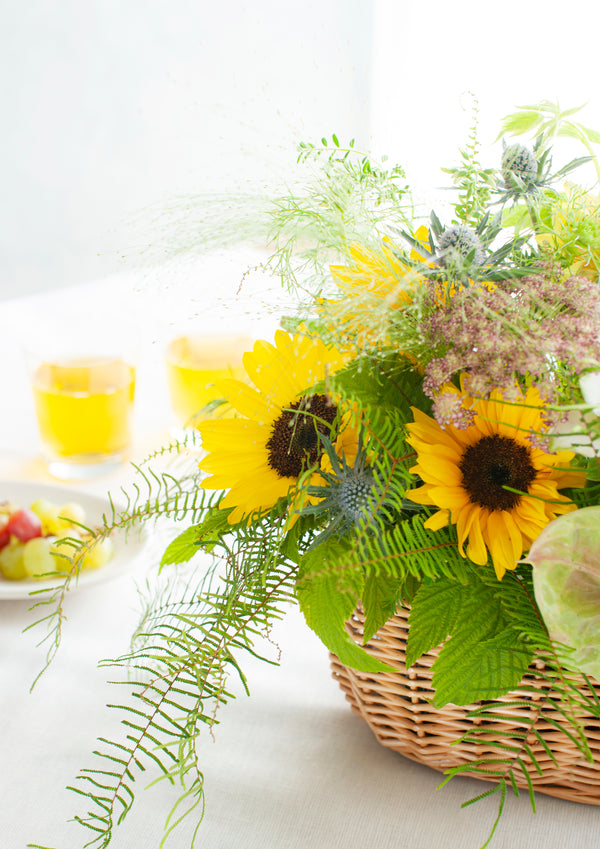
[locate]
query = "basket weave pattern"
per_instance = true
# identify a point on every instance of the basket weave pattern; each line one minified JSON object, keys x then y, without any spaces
{"x":396,"y":707}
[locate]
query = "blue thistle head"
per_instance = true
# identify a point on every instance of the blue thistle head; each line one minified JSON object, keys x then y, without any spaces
{"x":355,"y":493}
{"x":458,"y":243}
{"x":519,"y":167}
{"x":350,"y":495}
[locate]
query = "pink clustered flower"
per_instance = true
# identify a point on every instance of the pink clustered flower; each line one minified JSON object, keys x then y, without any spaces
{"x":448,"y":409}
{"x":523,"y":327}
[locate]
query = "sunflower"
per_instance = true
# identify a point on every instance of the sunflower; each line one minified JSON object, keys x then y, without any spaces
{"x":371,"y":287}
{"x":491,"y":479}
{"x":260,"y":456}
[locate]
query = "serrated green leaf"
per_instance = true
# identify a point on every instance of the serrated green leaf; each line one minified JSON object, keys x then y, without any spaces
{"x":379,"y":601}
{"x":520,"y":122}
{"x":469,"y":671}
{"x":593,"y":135}
{"x":289,"y":547}
{"x":516,"y":216}
{"x":433,"y":616}
{"x":328,"y":595}
{"x":485,"y":655}
{"x":572,"y":111}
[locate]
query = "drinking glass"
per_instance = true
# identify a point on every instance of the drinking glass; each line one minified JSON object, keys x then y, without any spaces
{"x":84,"y":408}
{"x":194,"y":366}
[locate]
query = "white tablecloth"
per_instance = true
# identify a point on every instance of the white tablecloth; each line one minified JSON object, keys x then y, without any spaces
{"x":290,"y":767}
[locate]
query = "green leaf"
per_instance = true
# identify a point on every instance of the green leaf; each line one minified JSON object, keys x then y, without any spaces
{"x":183,"y":547}
{"x":592,"y":135}
{"x":388,"y":383}
{"x":289,"y":547}
{"x":521,"y":122}
{"x":467,"y":672}
{"x":196,"y":538}
{"x":379,"y":601}
{"x":516,"y":216}
{"x":433,"y":616}
{"x":328,"y":594}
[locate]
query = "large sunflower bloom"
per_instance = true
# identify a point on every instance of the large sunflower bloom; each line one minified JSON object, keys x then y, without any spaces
{"x":491,"y":479}
{"x":259,"y":456}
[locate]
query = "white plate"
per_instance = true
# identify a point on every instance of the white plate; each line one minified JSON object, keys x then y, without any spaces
{"x":128,"y":547}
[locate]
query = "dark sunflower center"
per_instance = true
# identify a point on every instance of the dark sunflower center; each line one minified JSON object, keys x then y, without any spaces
{"x":294,"y":444}
{"x":493,"y":463}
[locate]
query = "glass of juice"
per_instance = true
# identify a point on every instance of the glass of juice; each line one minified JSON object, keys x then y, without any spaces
{"x":194,"y":365}
{"x":84,"y":408}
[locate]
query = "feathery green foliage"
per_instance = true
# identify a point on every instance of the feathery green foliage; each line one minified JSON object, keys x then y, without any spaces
{"x":345,"y":197}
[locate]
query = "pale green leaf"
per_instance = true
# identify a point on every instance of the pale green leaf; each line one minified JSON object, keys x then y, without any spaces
{"x":182,"y":548}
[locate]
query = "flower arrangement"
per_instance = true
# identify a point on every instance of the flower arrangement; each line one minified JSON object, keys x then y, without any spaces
{"x":422,"y":432}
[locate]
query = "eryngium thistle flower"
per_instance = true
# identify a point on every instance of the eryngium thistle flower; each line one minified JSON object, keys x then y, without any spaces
{"x":355,"y":494}
{"x":456,"y":243}
{"x":349,"y":495}
{"x":519,"y":167}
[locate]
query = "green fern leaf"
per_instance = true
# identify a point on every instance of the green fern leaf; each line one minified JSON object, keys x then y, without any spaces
{"x":485,"y":655}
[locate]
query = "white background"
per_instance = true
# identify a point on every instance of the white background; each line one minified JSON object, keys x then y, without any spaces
{"x":110,"y":107}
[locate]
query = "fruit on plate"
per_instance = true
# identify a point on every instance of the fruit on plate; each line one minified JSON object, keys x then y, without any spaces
{"x":44,"y":540}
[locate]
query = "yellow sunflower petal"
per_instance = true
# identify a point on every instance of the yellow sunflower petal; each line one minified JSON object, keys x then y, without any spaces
{"x":502,"y":542}
{"x":230,"y":432}
{"x":436,"y":470}
{"x":244,"y":493}
{"x":451,"y":497}
{"x":247,"y":401}
{"x":437,"y":521}
{"x":476,"y":548}
{"x":420,"y":495}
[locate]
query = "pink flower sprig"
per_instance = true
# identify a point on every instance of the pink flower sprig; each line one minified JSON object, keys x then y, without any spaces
{"x":533,"y":328}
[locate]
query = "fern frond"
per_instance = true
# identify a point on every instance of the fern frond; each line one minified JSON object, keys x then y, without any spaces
{"x":190,"y":639}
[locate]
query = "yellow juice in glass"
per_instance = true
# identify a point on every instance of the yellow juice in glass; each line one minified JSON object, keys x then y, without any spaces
{"x":194,"y":365}
{"x":84,"y":407}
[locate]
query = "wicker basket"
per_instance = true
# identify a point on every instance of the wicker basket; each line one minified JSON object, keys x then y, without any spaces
{"x":396,"y":707}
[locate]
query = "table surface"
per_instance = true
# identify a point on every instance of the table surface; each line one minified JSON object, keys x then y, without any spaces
{"x":291,"y":767}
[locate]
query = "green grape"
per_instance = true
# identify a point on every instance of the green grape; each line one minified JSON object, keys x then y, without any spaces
{"x":38,"y":559}
{"x":12,"y":564}
{"x":99,"y":554}
{"x":47,"y":512}
{"x":56,"y":518}
{"x":56,"y":550}
{"x":69,"y":513}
